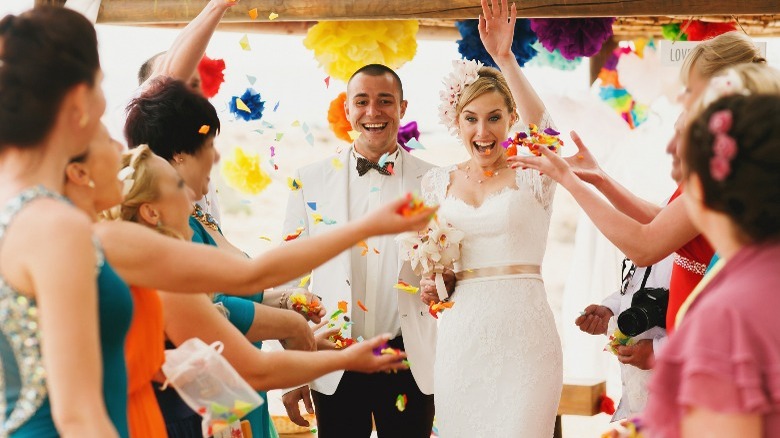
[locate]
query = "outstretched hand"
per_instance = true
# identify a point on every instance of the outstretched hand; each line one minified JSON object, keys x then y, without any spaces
{"x":389,"y":220}
{"x":583,"y":163}
{"x":594,"y":320}
{"x":549,"y":163}
{"x":496,"y":28}
{"x":363,"y":359}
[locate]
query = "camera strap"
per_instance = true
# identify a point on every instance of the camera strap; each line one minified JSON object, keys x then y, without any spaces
{"x":644,"y":279}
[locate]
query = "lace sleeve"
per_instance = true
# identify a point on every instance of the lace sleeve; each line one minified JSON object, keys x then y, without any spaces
{"x":542,"y":186}
{"x":434,"y":185}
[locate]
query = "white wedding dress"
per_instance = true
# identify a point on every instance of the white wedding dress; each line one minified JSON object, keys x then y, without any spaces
{"x":498,"y":370}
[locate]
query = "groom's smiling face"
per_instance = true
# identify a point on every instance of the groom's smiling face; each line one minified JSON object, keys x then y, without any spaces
{"x":374,"y":107}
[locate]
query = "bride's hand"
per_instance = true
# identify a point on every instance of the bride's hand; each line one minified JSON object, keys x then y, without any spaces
{"x":584,"y":164}
{"x":496,"y":29}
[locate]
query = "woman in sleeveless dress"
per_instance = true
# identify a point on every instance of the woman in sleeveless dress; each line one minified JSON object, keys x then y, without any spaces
{"x":51,"y":381}
{"x":498,"y":368}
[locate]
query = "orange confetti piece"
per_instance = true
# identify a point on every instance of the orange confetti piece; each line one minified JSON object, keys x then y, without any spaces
{"x":293,"y":236}
{"x":363,"y":245}
{"x":253,"y":14}
{"x":343,"y":306}
{"x":390,"y":168}
{"x":204,"y":129}
{"x":362,"y":306}
{"x":376,"y":251}
{"x":488,"y":173}
{"x":580,"y":157}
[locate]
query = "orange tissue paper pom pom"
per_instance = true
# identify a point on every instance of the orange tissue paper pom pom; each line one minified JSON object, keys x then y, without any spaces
{"x":338,"y":118}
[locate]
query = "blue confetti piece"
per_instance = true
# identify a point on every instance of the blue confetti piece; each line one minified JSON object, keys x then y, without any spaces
{"x":267,"y":125}
{"x":414,"y":144}
{"x":374,"y":189}
{"x":312,"y":205}
{"x":246,"y":201}
{"x":305,"y":128}
{"x":310,"y":139}
{"x":276,"y":107}
{"x":251,"y":79}
{"x":383,"y":159}
{"x":259,"y":131}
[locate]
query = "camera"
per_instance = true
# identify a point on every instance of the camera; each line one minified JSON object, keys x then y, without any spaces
{"x":648,"y":310}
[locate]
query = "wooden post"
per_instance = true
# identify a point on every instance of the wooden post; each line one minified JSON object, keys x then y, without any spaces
{"x":598,"y":60}
{"x":175,"y":11}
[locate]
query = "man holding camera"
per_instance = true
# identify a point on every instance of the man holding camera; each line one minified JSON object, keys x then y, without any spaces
{"x":640,"y":307}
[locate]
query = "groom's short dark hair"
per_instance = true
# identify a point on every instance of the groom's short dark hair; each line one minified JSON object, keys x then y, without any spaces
{"x":379,"y":70}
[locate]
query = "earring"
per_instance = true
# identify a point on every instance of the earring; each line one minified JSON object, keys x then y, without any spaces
{"x":83,"y":120}
{"x":91,"y":184}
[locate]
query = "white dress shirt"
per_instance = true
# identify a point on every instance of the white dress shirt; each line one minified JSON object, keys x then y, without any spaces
{"x":371,"y":284}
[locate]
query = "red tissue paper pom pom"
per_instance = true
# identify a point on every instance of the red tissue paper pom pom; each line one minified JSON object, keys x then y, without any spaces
{"x":211,"y":75}
{"x":698,"y":30}
{"x":606,"y":404}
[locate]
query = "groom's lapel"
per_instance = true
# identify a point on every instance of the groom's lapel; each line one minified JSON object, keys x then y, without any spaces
{"x":334,"y":200}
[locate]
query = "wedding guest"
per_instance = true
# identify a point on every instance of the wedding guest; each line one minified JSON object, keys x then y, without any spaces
{"x":168,"y":118}
{"x":725,"y":385}
{"x":645,"y":232}
{"x":92,"y":185}
{"x":49,"y":266}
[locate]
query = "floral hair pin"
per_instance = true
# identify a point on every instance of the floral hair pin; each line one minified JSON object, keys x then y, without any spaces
{"x":727,"y":84}
{"x":465,"y":72}
{"x":724,"y":148}
{"x":126,"y":176}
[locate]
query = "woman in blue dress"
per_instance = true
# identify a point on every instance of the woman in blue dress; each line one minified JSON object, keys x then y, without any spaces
{"x":51,"y":381}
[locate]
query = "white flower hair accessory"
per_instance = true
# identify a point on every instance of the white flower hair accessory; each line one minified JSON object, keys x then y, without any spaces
{"x":126,"y":176}
{"x":727,"y":84}
{"x":464,"y":73}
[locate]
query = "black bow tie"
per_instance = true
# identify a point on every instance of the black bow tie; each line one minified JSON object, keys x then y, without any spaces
{"x":364,"y":165}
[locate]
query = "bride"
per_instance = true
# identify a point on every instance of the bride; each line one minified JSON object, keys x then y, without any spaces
{"x":498,"y":368}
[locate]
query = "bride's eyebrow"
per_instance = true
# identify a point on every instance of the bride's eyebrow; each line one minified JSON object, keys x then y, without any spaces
{"x":497,"y":110}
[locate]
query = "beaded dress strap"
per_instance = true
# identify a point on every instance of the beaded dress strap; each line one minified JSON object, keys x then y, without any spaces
{"x":19,"y":326}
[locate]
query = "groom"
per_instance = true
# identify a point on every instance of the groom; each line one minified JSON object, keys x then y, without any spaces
{"x":371,"y":172}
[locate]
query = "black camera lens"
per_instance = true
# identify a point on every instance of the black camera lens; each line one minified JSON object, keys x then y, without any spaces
{"x":648,"y":310}
{"x":633,"y":321}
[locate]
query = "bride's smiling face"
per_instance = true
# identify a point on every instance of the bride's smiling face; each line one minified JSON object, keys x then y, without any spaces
{"x":484,"y":124}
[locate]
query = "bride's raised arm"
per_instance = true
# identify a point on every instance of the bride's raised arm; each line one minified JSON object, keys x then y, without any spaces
{"x":496,"y":30}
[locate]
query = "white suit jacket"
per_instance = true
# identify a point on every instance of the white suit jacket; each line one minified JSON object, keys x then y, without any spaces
{"x":328,"y":186}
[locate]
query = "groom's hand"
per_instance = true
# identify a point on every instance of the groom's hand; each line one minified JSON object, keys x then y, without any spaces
{"x":428,"y":291}
{"x":291,"y":400}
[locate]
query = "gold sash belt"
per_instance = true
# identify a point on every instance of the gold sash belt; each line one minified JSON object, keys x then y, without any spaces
{"x":495,"y":271}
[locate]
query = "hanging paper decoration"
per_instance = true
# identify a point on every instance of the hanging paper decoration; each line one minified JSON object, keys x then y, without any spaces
{"x":337,"y":118}
{"x":644,"y":77}
{"x":249,"y":106}
{"x":554,"y":59}
{"x":212,"y":75}
{"x":243,"y":173}
{"x":615,"y":95}
{"x":574,"y":37}
{"x":470,"y":45}
{"x":695,"y":30}
{"x":342,"y":47}
{"x":406,"y":133}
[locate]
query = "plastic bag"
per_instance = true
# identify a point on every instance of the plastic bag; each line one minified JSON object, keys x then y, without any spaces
{"x":209,"y":384}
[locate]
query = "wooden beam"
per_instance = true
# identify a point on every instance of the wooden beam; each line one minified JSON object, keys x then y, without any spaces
{"x":597,"y":61}
{"x":177,"y":11}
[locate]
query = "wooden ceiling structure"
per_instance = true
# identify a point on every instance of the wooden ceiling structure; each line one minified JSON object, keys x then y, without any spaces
{"x":759,"y":18}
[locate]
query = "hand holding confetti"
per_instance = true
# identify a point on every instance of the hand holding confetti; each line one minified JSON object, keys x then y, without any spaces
{"x":307,"y":305}
{"x":618,"y":339}
{"x":361,"y":356}
{"x":533,"y":139}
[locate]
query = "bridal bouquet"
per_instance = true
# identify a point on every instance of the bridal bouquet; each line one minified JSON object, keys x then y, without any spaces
{"x":432,"y":250}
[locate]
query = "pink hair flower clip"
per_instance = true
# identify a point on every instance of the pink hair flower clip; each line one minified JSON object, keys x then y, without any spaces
{"x":724,"y":147}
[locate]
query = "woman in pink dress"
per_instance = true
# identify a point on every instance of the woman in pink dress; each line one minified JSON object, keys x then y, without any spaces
{"x":719,"y":375}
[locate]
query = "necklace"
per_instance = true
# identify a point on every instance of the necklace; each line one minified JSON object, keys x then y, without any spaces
{"x":204,"y":218}
{"x":486,"y":173}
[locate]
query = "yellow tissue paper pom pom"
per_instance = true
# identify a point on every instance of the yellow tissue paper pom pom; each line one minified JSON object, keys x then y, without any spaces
{"x":244,"y":174}
{"x":342,"y":47}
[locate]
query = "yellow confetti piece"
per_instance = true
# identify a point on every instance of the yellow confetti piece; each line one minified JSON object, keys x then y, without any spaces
{"x":279,"y":136}
{"x":266,"y":238}
{"x":304,"y":281}
{"x":295,"y":123}
{"x":317,"y":218}
{"x":253,"y":14}
{"x":294,"y":184}
{"x":273,"y":16}
{"x":337,"y":164}
{"x":204,"y":129}
{"x":244,"y":41}
{"x":406,"y":287}
{"x":242,"y":106}
{"x":353,"y":135}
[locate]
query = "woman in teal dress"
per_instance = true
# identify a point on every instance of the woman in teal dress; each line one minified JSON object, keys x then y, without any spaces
{"x":50,"y":269}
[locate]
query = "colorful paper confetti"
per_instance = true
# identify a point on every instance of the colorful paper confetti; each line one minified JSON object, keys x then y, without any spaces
{"x":253,"y":13}
{"x":251,"y":79}
{"x":343,"y":306}
{"x":312,"y":205}
{"x":310,"y":139}
{"x":353,"y":135}
{"x":400,"y":402}
{"x":414,"y":144}
{"x":204,"y":129}
{"x":279,"y":136}
{"x":327,"y":82}
{"x":273,"y":16}
{"x":276,"y":106}
{"x":304,"y":281}
{"x":244,"y":42}
{"x":362,"y":306}
{"x":242,"y":106}
{"x":383,"y":159}
{"x":293,"y":236}
{"x":294,"y":184}
{"x":337,"y":164}
{"x":363,"y":245}
{"x":406,"y":287}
